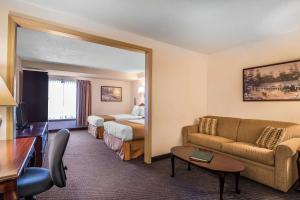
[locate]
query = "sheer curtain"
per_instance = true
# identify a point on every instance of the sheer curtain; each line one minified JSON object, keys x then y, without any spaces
{"x":62,"y":99}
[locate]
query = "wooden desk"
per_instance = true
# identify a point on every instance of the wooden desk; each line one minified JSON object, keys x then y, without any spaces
{"x":14,"y":155}
{"x":40,"y":131}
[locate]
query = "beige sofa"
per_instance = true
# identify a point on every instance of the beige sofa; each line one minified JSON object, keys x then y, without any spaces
{"x":236,"y":138}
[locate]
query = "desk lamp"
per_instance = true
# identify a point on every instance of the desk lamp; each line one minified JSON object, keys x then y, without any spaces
{"x":6,"y":98}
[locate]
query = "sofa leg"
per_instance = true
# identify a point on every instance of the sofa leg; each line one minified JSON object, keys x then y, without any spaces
{"x":298,"y":167}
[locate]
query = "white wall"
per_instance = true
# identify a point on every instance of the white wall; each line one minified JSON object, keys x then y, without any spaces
{"x":225,"y":79}
{"x":179,"y":75}
{"x":103,"y":108}
{"x":139,"y":97}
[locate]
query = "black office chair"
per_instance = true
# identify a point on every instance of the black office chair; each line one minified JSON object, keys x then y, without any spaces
{"x":36,"y":180}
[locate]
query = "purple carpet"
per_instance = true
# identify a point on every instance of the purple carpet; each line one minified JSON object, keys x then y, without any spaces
{"x":95,"y":172}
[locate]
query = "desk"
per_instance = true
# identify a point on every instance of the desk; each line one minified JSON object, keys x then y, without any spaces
{"x":14,"y":155}
{"x":40,"y":131}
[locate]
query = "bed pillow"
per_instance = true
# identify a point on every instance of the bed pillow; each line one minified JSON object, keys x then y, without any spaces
{"x":142,"y":111}
{"x":136,"y":111}
{"x":271,"y":137}
{"x":208,"y":126}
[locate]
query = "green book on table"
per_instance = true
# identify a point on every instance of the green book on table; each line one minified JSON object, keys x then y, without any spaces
{"x":202,"y":156}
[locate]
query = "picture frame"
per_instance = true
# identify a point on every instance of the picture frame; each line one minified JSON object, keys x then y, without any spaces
{"x":111,"y":94}
{"x":272,"y":82}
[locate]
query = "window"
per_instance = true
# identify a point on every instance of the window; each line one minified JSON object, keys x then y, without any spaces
{"x":62,"y":99}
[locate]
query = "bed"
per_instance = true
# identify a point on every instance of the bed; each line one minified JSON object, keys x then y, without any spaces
{"x":96,"y":122}
{"x":126,"y":138}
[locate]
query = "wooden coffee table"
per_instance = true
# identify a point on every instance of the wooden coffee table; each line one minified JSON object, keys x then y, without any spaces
{"x":220,"y":164}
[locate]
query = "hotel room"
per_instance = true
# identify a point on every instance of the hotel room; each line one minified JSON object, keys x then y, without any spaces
{"x":82,"y":84}
{"x":149,"y":99}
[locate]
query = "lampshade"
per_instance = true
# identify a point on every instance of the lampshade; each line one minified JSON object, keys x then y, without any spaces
{"x":141,"y":90}
{"x":6,"y":98}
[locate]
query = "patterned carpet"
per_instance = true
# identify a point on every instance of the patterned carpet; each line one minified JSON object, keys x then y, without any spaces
{"x":95,"y":172}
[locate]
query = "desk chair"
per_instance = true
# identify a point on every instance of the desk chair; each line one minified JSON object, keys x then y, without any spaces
{"x":37,"y":180}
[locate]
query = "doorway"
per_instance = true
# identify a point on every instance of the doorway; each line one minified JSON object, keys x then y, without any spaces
{"x":38,"y":25}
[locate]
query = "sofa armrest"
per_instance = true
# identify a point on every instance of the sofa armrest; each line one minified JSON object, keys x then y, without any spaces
{"x":187,"y":130}
{"x":288,"y":148}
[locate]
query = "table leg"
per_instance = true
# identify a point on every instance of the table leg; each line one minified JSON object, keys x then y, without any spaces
{"x":38,"y":152}
{"x":189,"y":167}
{"x":237,"y":179}
{"x":221,"y":184}
{"x":9,"y":190}
{"x":173,"y":165}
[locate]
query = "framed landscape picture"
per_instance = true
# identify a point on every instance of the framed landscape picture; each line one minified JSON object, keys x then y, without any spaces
{"x":111,"y":94}
{"x":275,"y":82}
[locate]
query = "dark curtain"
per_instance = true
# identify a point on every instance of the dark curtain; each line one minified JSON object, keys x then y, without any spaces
{"x":35,"y":95}
{"x":84,"y":107}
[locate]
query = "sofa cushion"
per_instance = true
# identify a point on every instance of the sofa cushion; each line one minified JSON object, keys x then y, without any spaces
{"x":250,"y":129}
{"x":293,"y":129}
{"x":227,"y":126}
{"x":209,"y":141}
{"x":250,"y":152}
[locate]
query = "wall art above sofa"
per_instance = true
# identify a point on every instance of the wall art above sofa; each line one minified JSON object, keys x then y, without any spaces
{"x":274,"y":82}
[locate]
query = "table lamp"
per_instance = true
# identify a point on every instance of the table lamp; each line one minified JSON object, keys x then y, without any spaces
{"x":6,"y":98}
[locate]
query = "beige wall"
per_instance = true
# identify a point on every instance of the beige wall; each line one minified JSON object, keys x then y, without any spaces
{"x":139,"y":97}
{"x":225,"y":79}
{"x":179,"y":75}
{"x":102,"y":108}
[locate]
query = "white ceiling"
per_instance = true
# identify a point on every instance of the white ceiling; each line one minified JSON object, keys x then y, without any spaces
{"x":45,"y":47}
{"x":202,"y":25}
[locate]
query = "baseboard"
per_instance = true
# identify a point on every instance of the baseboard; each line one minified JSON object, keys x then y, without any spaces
{"x":70,"y":129}
{"x":161,"y":157}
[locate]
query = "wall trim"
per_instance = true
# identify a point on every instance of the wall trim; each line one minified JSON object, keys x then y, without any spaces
{"x":161,"y":157}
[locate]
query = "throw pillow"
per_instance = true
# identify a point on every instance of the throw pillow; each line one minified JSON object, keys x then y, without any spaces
{"x":208,"y":126}
{"x":271,"y":137}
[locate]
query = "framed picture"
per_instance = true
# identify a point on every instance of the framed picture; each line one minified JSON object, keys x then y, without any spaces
{"x":111,"y":94}
{"x":275,"y":82}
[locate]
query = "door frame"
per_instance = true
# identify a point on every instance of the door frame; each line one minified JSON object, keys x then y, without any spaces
{"x":16,"y":20}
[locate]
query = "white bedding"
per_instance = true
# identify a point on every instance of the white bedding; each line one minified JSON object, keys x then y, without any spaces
{"x":98,"y":121}
{"x":138,"y":121}
{"x":95,"y":120}
{"x":126,"y":117}
{"x":121,"y":131}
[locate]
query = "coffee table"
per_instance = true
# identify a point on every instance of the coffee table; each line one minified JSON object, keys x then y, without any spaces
{"x":220,"y":164}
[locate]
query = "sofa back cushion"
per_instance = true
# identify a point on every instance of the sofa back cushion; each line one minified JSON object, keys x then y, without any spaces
{"x":227,"y":126}
{"x":250,"y":129}
{"x":293,"y":129}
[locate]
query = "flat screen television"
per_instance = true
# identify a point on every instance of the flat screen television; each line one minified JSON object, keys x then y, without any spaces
{"x":21,"y":115}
